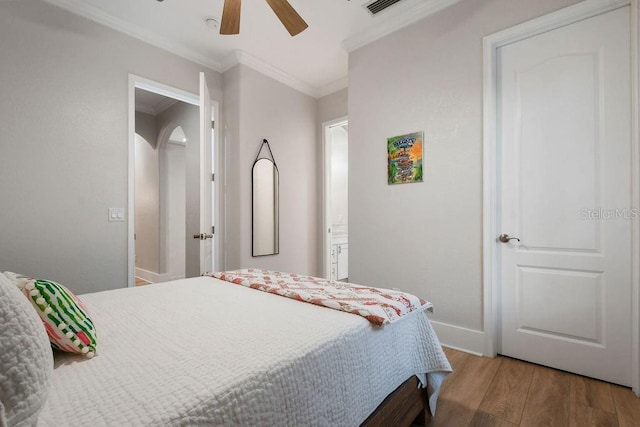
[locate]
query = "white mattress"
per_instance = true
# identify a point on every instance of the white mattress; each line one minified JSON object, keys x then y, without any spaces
{"x":207,"y":352}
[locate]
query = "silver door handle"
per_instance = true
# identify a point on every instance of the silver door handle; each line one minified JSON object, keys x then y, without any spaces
{"x":504,"y":238}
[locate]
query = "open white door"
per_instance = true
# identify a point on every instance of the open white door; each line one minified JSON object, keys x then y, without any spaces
{"x":206,"y":205}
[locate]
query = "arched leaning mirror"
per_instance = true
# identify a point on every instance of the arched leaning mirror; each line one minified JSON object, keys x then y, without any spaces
{"x":264,"y":179}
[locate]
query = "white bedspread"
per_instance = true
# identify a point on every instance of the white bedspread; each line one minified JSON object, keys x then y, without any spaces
{"x":206,"y":352}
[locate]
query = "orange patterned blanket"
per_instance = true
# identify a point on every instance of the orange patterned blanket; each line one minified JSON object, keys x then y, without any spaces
{"x":378,"y":306}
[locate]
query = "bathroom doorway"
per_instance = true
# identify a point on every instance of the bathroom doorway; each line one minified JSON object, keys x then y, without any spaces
{"x":336,"y":199}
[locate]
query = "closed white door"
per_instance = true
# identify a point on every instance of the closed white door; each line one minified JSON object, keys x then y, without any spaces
{"x":564,"y":127}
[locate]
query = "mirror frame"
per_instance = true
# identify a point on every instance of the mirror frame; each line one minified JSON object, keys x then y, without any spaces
{"x":276,"y":203}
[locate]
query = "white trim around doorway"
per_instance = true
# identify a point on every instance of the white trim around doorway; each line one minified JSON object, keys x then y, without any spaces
{"x":566,"y":16}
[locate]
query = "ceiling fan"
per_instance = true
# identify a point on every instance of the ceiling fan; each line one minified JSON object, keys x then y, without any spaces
{"x":283,"y":10}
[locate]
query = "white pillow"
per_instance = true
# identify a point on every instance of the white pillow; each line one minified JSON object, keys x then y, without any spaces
{"x":26,"y":359}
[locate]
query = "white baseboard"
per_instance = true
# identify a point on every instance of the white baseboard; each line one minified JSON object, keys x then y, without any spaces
{"x":153,"y":277}
{"x":459,"y":338}
{"x":147,"y":275}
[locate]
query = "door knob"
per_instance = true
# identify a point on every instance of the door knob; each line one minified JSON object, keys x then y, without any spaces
{"x":504,"y":238}
{"x":203,"y":236}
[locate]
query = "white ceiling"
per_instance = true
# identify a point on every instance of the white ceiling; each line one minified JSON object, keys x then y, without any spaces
{"x":314,"y":62}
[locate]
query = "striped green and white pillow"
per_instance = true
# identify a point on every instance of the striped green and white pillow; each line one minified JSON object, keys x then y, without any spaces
{"x":64,"y":316}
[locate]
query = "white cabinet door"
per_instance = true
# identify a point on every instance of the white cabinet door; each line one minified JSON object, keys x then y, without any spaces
{"x":565,"y":138}
{"x":343,"y":261}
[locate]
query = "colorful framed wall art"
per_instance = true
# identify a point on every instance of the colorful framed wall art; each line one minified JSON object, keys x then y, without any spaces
{"x":404,"y":158}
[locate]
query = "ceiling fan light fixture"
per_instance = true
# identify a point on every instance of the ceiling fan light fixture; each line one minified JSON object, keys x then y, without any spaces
{"x":230,"y":17}
{"x":283,"y":10}
{"x":291,"y":20}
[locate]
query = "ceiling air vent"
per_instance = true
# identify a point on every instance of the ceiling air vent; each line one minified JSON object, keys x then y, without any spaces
{"x":378,"y":6}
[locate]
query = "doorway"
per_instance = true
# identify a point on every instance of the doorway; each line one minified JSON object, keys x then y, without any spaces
{"x":173,"y":198}
{"x":163,"y":153}
{"x":560,"y":226}
{"x":336,"y":199}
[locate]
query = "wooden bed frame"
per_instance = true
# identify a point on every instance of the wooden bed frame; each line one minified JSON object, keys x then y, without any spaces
{"x":407,"y":405}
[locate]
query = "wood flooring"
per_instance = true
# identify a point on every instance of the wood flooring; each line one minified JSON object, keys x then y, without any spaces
{"x":141,"y":282}
{"x":504,"y":392}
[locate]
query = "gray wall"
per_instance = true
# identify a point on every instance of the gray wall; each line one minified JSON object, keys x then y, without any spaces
{"x":232,"y":172}
{"x":146,"y":127}
{"x":64,"y":141}
{"x":425,"y":238}
{"x":147,"y":193}
{"x":332,"y":106}
{"x":259,"y":107}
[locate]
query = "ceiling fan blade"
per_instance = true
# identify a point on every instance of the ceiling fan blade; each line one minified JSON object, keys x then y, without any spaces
{"x":288,"y":16}
{"x":230,"y":17}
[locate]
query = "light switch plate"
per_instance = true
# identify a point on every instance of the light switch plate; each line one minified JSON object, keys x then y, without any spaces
{"x":116,"y":215}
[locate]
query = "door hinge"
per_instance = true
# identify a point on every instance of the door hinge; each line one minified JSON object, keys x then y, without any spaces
{"x":213,"y":124}
{"x":213,"y":229}
{"x":213,"y":177}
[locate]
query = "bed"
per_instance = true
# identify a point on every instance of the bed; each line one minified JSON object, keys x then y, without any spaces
{"x":204,"y":351}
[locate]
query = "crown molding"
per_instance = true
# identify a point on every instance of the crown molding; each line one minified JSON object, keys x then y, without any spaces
{"x":230,"y":61}
{"x":79,"y":7}
{"x":145,"y":110}
{"x":333,"y":87}
{"x":421,"y":9}
{"x":165,"y":104}
{"x":241,"y":57}
{"x":158,"y":109}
